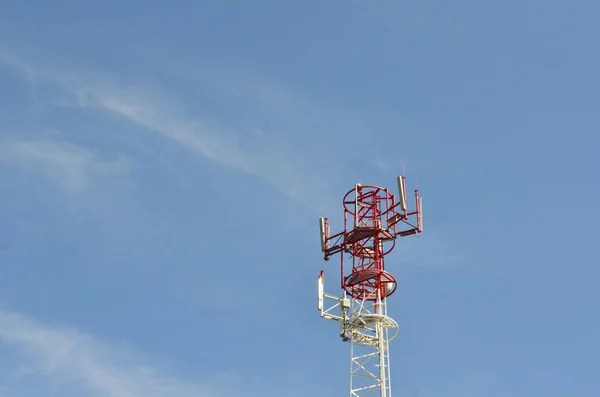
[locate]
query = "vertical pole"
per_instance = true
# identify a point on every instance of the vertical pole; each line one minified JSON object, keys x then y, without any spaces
{"x":387,"y":362}
{"x":351,"y":365}
{"x":382,"y":371}
{"x":355,"y":205}
{"x":343,"y":316}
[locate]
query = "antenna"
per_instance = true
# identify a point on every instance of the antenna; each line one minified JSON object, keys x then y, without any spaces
{"x":420,"y":213}
{"x":324,"y":229}
{"x":401,"y":193}
{"x":371,"y":217}
{"x":320,"y":292}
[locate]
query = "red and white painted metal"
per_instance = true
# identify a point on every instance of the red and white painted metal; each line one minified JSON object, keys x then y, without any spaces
{"x":373,"y":219}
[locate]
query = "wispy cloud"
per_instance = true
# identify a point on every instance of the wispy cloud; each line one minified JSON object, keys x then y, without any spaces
{"x":70,"y":165}
{"x":271,"y":158}
{"x":102,"y":369}
{"x":14,"y":63}
{"x":251,"y":152}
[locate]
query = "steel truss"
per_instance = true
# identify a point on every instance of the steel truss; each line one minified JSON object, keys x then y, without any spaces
{"x":369,"y":330}
{"x":373,"y":219}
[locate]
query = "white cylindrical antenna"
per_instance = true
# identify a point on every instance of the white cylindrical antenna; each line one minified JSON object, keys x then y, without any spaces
{"x":420,"y":214}
{"x":401,"y":193}
{"x":324,"y":226}
{"x":320,"y":290}
{"x":356,"y":187}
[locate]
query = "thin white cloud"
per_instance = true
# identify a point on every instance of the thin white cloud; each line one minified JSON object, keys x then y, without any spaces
{"x":253,"y":153}
{"x":14,"y":63}
{"x":274,"y":159}
{"x":102,"y":369}
{"x":70,"y":165}
{"x":149,"y":111}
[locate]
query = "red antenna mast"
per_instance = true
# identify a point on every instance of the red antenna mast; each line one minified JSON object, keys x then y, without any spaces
{"x":373,"y":220}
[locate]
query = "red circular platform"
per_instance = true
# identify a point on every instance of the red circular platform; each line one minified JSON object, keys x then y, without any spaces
{"x":365,"y":284}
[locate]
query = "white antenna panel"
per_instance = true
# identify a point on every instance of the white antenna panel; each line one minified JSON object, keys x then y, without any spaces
{"x":420,"y":209}
{"x":320,"y":292}
{"x":401,"y":193}
{"x":323,"y":226}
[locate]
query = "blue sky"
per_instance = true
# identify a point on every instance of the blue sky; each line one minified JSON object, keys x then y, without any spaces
{"x":163,"y":166}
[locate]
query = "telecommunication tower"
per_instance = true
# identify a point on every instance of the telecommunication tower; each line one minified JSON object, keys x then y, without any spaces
{"x":373,"y":219}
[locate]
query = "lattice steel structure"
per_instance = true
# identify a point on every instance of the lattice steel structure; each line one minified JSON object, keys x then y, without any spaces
{"x":373,"y":219}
